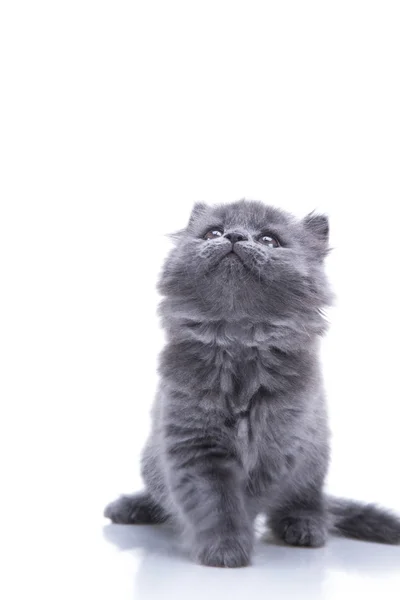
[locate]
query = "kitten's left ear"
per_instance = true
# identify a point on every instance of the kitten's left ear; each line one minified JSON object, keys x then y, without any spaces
{"x":317,"y":226}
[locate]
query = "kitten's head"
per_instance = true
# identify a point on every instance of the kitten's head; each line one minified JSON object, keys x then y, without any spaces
{"x":246,"y":259}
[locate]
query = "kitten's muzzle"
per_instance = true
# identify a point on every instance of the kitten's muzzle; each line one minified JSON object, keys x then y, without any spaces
{"x":236,"y":236}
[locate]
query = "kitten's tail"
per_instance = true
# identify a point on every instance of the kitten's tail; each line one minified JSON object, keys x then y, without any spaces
{"x":363,"y":521}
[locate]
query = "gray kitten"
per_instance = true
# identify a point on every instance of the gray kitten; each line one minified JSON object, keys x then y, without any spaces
{"x":239,"y":422}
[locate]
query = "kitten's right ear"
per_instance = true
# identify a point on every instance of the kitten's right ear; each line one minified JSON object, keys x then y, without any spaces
{"x":198,"y":209}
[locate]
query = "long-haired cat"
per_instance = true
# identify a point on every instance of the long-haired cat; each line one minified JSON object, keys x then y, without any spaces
{"x":239,"y":422}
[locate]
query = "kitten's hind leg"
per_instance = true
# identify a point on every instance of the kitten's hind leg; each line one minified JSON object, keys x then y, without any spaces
{"x":300,"y":521}
{"x":137,"y":509}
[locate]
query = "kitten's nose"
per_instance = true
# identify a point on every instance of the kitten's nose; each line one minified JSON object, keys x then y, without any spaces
{"x":235,"y":236}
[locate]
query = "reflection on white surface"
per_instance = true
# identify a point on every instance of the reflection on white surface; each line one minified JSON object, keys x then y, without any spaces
{"x":159,"y":569}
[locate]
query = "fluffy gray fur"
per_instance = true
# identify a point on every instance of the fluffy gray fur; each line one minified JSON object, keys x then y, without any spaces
{"x":239,"y":422}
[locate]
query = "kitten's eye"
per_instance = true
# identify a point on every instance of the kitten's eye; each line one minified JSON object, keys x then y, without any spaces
{"x":269,"y":241}
{"x":212,"y":234}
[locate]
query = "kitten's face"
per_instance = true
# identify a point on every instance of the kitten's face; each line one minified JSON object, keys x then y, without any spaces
{"x":246,"y":259}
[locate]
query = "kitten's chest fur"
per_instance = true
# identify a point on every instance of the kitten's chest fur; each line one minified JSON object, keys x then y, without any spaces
{"x":246,"y":375}
{"x":246,"y":382}
{"x":266,"y":426}
{"x":260,"y":424}
{"x":239,"y":360}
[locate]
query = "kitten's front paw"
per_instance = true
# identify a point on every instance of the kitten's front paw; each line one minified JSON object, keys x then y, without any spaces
{"x":225,"y":552}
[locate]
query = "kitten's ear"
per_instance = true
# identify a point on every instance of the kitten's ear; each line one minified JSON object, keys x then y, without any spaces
{"x":198,"y":209}
{"x":317,"y":228}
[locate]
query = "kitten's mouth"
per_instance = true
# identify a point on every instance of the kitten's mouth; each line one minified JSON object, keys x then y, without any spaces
{"x":232,"y":254}
{"x":232,"y":257}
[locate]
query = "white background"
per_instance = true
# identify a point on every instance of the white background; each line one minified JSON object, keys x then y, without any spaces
{"x":115,"y":118}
